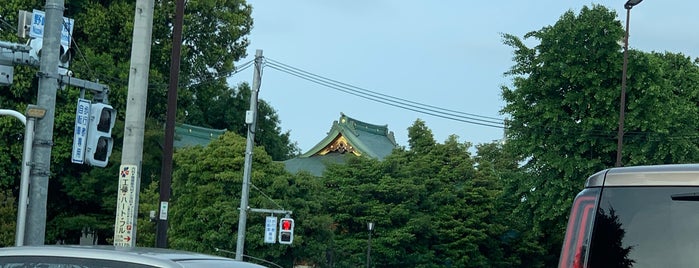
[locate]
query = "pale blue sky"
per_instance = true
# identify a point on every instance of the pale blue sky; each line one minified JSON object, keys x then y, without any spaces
{"x":442,"y":53}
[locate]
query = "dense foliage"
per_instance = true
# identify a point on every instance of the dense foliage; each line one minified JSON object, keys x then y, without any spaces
{"x":433,"y":204}
{"x":564,"y":106}
{"x":82,"y":197}
{"x":206,"y":197}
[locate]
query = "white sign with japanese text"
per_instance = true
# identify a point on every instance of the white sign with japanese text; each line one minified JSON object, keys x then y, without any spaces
{"x":82,"y":119}
{"x":271,"y":230}
{"x":127,"y":197}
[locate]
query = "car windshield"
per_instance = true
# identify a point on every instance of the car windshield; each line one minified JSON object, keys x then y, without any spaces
{"x":646,"y":227}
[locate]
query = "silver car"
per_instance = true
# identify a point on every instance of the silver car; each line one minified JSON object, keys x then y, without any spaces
{"x":110,"y":256}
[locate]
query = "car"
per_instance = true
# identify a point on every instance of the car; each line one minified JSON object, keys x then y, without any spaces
{"x":643,"y":216}
{"x":60,"y":256}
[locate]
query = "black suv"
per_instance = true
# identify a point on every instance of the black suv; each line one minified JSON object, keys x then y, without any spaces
{"x":645,"y":216}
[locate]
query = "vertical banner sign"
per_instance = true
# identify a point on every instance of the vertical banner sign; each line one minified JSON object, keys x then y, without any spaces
{"x":124,"y":227}
{"x":271,"y":230}
{"x":82,"y":118}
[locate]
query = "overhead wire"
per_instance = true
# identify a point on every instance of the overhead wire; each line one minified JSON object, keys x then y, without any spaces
{"x":6,"y":24}
{"x":438,"y":111}
{"x":91,"y":72}
{"x":77,"y":48}
{"x":382,"y":98}
{"x":474,"y":116}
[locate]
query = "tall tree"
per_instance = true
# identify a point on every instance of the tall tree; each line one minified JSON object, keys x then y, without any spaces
{"x":81,"y":196}
{"x":431,"y":207}
{"x":206,"y":194}
{"x":564,"y":111}
{"x":227,"y":111}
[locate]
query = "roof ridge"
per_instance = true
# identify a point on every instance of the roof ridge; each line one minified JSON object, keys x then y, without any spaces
{"x":199,"y":128}
{"x":352,"y":124}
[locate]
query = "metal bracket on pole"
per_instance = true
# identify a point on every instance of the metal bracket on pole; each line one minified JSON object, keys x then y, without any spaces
{"x":272,"y":211}
{"x":15,"y":46}
{"x":99,"y":90}
{"x":20,"y":54}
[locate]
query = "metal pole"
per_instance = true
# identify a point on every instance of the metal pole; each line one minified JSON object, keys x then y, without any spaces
{"x":46,"y":98}
{"x":620,"y":134}
{"x":370,"y":227}
{"x":166,"y":175}
{"x":251,"y":119}
{"x":24,"y":184}
{"x":134,"y":122}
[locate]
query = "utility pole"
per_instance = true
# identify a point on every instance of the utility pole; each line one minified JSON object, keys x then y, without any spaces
{"x":166,"y":173}
{"x":46,"y":98}
{"x":134,"y":127}
{"x":251,"y":120}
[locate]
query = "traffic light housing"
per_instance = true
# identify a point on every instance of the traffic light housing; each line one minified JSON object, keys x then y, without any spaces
{"x":286,"y":231}
{"x":99,"y":134}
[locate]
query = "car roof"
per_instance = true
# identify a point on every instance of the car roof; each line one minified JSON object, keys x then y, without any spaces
{"x":143,"y":255}
{"x":652,"y":175}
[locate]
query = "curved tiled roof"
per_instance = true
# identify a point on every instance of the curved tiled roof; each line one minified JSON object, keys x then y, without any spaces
{"x":347,"y":136}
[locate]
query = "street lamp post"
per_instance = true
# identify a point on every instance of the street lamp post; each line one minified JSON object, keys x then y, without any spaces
{"x":620,"y":135}
{"x":370,"y":227}
{"x":33,"y":113}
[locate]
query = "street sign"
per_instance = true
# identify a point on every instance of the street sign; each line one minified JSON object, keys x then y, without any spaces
{"x":82,"y":118}
{"x":125,"y":225}
{"x":163,"y":210}
{"x":271,"y":230}
{"x":37,"y":28}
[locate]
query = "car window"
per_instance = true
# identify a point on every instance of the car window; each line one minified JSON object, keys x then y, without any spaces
{"x":63,"y":262}
{"x":644,"y":227}
{"x":216,"y":264}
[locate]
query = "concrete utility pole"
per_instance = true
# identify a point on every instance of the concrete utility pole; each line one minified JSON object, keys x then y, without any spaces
{"x":134,"y":126}
{"x":46,"y":98}
{"x":251,"y":120}
{"x":166,"y":173}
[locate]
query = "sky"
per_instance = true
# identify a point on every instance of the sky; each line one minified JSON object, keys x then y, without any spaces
{"x":447,"y":54}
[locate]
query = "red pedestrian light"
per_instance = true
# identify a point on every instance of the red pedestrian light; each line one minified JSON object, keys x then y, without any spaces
{"x":286,"y":231}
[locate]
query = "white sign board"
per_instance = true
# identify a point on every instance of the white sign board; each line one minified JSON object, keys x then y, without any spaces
{"x":37,"y":29}
{"x":125,"y":225}
{"x":82,"y":118}
{"x":163,"y":210}
{"x":271,"y":230}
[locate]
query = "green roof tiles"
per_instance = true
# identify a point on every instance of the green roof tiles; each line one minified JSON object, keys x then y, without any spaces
{"x":189,"y":135}
{"x":347,"y":136}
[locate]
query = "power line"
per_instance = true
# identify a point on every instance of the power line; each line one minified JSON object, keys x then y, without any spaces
{"x":6,"y":24}
{"x":496,"y":120}
{"x":383,"y":98}
{"x":446,"y":113}
{"x":77,"y":48}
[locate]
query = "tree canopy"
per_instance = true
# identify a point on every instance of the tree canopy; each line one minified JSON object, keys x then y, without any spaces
{"x":563,"y":106}
{"x":81,"y":197}
{"x":434,"y":204}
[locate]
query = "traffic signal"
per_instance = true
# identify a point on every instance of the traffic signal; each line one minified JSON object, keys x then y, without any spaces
{"x":99,"y":134}
{"x":286,"y":231}
{"x":65,"y":54}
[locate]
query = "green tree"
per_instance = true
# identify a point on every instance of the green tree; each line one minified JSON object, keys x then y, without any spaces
{"x":563,"y":106}
{"x":8,"y":209}
{"x":431,"y":207}
{"x":206,"y":194}
{"x":227,"y":111}
{"x":520,"y":246}
{"x":82,"y":196}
